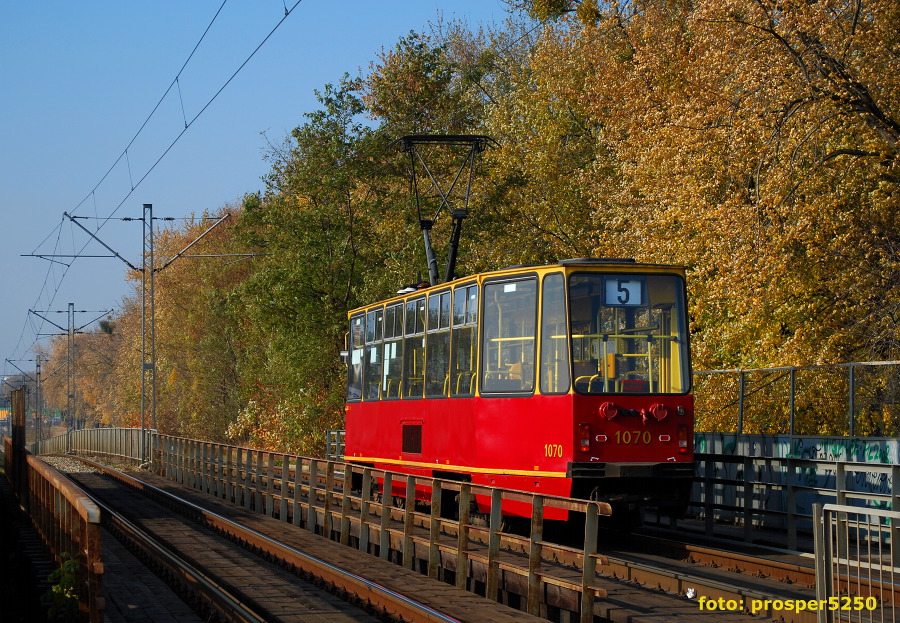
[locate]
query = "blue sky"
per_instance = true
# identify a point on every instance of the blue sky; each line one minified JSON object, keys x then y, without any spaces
{"x":77,"y":80}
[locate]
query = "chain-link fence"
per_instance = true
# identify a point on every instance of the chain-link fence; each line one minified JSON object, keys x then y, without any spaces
{"x":854,"y":399}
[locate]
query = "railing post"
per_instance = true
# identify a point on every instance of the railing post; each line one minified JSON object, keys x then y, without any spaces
{"x":493,"y":571}
{"x":270,"y":484}
{"x":535,"y":543}
{"x":589,"y":564}
{"x":204,"y":466}
{"x":747,"y":486}
{"x":220,"y":470}
{"x":384,"y":540}
{"x":708,"y":494}
{"x":409,"y":509}
{"x":285,"y":487}
{"x":365,"y":498}
{"x":346,"y":493}
{"x":182,"y":460}
{"x":230,"y":475}
{"x":840,"y":482}
{"x":823,"y":562}
{"x":793,"y":374}
{"x":462,"y":541}
{"x":257,"y":481}
{"x":311,"y":519}
{"x":246,"y":464}
{"x":434,"y":530}
{"x":329,"y":498}
{"x":895,"y":525}
{"x":298,"y":478}
{"x":193,"y":451}
{"x":791,"y":503}
{"x":741,"y":382}
{"x":851,"y":401}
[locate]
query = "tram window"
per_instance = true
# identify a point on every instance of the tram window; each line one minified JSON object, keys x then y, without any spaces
{"x":393,"y":321}
{"x":629,"y":334}
{"x":508,"y":337}
{"x":437,"y":353}
{"x":414,"y":350}
{"x":465,"y":305}
{"x":392,"y":364}
{"x":372,"y":354}
{"x":462,"y":376}
{"x":555,"y":374}
{"x":439,"y":311}
{"x":355,"y":369}
{"x":372,"y":372}
{"x":415,"y":316}
{"x":374,"y":324}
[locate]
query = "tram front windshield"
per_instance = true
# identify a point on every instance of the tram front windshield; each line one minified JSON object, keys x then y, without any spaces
{"x":629,"y":334}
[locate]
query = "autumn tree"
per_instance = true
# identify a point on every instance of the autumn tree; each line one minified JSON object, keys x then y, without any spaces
{"x":198,"y":339}
{"x":754,"y":142}
{"x":315,"y":234}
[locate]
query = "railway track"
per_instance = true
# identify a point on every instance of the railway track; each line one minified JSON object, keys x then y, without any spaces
{"x":249,"y":584}
{"x":647,"y":580}
{"x":793,"y":569}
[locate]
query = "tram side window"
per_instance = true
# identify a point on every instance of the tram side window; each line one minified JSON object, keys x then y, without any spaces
{"x":555,"y":375}
{"x":372,"y":366}
{"x":414,"y":349}
{"x":392,"y":366}
{"x":437,"y":354}
{"x":465,"y":317}
{"x":355,"y":370}
{"x":508,"y":340}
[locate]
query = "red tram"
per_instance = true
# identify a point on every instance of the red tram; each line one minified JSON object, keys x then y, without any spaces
{"x":571,"y":379}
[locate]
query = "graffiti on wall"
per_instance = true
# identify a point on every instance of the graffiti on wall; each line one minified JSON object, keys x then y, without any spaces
{"x":855,"y":454}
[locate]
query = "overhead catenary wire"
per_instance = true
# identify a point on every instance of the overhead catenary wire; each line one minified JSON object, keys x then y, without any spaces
{"x":152,"y":112}
{"x":176,"y":83}
{"x":124,"y":153}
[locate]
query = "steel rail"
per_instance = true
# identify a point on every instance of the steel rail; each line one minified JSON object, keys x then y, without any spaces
{"x":217,"y":597}
{"x":760,"y":566}
{"x":381,"y":596}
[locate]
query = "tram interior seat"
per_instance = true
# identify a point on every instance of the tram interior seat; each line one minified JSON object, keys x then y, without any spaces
{"x":415,"y":386}
{"x":586,"y":383}
{"x":519,"y":376}
{"x":393,"y":389}
{"x":465,"y":382}
{"x":521,"y":371}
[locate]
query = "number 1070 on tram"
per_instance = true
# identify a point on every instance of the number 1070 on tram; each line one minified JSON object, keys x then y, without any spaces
{"x":571,"y":379}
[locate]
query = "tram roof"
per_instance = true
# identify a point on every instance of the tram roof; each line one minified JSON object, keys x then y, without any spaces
{"x":626,"y":264}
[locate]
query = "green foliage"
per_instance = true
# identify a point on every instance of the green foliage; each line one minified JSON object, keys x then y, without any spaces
{"x":62,"y":599}
{"x":754,"y":142}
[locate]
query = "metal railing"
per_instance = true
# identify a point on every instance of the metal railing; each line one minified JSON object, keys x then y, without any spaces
{"x":732,"y":490}
{"x":122,"y":444}
{"x":857,"y":563}
{"x":319,"y":495}
{"x":69,"y":524}
{"x":852,"y":399}
{"x":779,"y":493}
{"x":334,"y":445}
